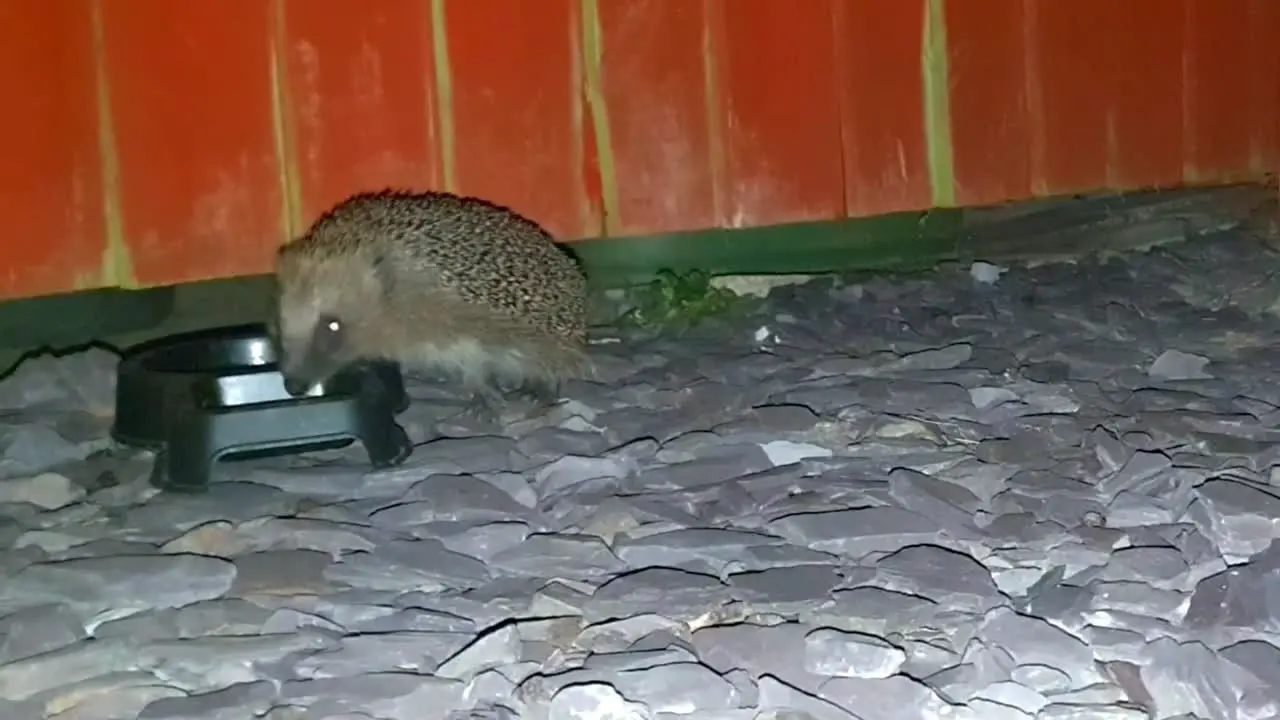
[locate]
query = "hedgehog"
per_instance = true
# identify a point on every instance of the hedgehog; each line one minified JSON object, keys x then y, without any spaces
{"x":453,"y":287}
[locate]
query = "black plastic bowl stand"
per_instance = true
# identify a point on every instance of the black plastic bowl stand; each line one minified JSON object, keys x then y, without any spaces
{"x":197,"y":441}
{"x":203,"y":397}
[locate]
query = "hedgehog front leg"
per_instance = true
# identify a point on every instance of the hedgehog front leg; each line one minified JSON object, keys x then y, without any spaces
{"x":542,"y":392}
{"x":485,"y":404}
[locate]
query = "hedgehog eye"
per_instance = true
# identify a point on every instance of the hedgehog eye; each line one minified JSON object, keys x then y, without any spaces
{"x":328,"y":333}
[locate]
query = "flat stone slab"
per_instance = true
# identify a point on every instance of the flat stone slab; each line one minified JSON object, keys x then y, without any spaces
{"x":986,"y":493}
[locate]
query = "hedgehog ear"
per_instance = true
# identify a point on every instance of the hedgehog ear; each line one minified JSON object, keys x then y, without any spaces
{"x":384,"y":270}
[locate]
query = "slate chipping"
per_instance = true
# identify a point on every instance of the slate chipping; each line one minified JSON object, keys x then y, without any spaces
{"x":983,"y":493}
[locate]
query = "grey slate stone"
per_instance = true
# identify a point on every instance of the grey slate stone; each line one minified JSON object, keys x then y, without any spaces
{"x":38,"y":629}
{"x":92,"y":586}
{"x":945,"y":576}
{"x":673,"y":593}
{"x":856,"y":532}
{"x":880,"y":498}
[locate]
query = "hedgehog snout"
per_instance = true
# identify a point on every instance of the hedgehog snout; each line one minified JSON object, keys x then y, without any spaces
{"x":298,"y":377}
{"x":301,"y":369}
{"x":296,"y":387}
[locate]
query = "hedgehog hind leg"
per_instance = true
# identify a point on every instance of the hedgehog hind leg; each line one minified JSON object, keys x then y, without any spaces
{"x":525,"y":375}
{"x":490,"y":396}
{"x":467,"y":364}
{"x":556,"y":363}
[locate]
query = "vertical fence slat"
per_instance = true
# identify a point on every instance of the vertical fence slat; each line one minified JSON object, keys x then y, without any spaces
{"x":881,"y":91}
{"x":191,"y":101}
{"x":1219,"y":129}
{"x":361,"y":110}
{"x":1069,"y":112}
{"x":51,"y":175}
{"x":1264,"y":85}
{"x":1144,"y":87}
{"x":733,"y":113}
{"x":516,"y":104}
{"x":990,"y":123}
{"x":778,"y":117}
{"x":656,"y":105}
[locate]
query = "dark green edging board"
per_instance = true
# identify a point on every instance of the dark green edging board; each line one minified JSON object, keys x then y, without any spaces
{"x":899,"y":242}
{"x":902,"y":242}
{"x":72,"y":319}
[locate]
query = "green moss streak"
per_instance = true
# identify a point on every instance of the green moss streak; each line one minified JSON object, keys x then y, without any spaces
{"x":117,"y":265}
{"x":593,"y":50}
{"x":285,"y":140}
{"x":444,"y":95}
{"x":937,"y":105}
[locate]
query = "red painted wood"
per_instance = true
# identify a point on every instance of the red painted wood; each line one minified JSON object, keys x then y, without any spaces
{"x":1219,"y":128}
{"x":1144,"y":92}
{"x":1069,"y":115}
{"x":813,"y":111}
{"x":1262,"y":101}
{"x":191,"y":99}
{"x":362,"y":102}
{"x":657,"y":109}
{"x":880,"y":85}
{"x":517,"y":109}
{"x":778,"y":119}
{"x":50,"y":176}
{"x":990,"y":122}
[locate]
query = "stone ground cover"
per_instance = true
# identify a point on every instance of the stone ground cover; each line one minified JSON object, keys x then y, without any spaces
{"x":1050,"y":493}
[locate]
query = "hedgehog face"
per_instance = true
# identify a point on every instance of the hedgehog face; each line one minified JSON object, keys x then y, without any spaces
{"x":315,"y":359}
{"x":320,"y":325}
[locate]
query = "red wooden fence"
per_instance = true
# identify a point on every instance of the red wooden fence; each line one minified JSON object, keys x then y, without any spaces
{"x":152,"y":142}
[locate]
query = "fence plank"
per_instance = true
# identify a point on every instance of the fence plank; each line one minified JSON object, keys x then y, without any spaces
{"x":361,"y":110}
{"x":656,"y":108}
{"x":517,"y":111}
{"x":51,"y":192}
{"x":191,"y":100}
{"x":990,"y":122}
{"x":881,"y":92}
{"x":777,"y":116}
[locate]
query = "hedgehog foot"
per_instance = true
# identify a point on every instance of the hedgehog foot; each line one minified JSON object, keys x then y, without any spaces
{"x":484,"y":407}
{"x":541,"y":394}
{"x":535,"y":396}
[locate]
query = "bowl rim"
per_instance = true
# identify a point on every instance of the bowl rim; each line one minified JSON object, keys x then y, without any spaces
{"x":140,"y":357}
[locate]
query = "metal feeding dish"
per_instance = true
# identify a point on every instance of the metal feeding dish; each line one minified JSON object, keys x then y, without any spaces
{"x":202,"y":397}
